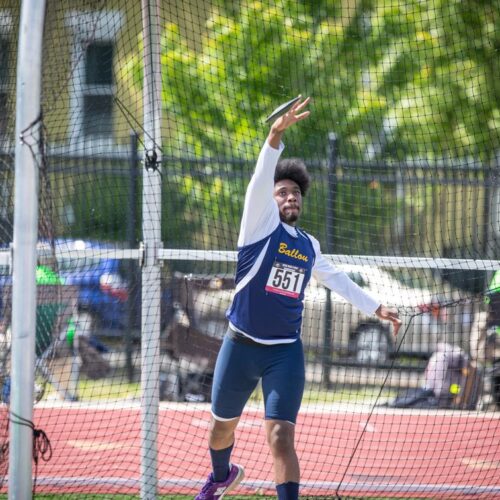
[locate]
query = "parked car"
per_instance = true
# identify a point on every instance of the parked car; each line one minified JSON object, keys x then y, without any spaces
{"x":104,"y":286}
{"x":430,"y":315}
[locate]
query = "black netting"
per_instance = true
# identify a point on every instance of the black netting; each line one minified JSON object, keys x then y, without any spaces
{"x":402,"y":145}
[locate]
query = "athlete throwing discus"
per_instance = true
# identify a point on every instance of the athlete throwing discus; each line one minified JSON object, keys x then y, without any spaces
{"x":276,"y":260}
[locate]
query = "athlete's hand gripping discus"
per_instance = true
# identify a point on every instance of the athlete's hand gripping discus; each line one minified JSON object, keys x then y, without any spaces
{"x":282,"y":109}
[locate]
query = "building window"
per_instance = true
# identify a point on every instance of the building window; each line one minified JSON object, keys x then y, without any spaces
{"x":97,"y":91}
{"x":5,"y":47}
{"x":92,"y":87}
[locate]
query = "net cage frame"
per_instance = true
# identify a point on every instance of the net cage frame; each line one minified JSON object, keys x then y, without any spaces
{"x":150,"y":255}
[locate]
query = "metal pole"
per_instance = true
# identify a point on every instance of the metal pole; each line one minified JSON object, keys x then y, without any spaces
{"x":151,"y":224}
{"x":132,"y":265}
{"x":330,"y":237}
{"x":491,"y":216}
{"x":29,"y":64}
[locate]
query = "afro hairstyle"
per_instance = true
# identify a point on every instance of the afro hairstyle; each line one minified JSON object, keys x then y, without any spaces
{"x":294,"y":169}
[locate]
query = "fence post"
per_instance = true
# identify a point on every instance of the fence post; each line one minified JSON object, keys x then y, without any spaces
{"x":330,"y":240}
{"x":132,"y":265}
{"x":492,"y":215}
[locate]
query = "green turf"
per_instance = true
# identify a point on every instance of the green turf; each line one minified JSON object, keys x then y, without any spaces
{"x":118,"y":389}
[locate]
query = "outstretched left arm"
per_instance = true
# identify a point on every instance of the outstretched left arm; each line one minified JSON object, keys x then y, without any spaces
{"x":338,"y":281}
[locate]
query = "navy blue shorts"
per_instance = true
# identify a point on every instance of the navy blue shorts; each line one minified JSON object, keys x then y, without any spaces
{"x":241,"y":365}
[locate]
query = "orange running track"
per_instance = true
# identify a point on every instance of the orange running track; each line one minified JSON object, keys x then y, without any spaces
{"x":434,"y":454}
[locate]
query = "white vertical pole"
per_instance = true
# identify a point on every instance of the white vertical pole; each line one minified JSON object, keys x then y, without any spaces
{"x":151,"y":223}
{"x":29,"y":65}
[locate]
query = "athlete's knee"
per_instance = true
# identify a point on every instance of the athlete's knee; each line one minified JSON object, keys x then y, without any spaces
{"x":221,"y":433}
{"x":280,"y":437}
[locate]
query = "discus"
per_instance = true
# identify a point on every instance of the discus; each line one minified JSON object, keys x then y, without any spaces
{"x":282,"y":109}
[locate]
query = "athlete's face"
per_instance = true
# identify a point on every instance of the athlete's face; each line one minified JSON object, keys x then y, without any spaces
{"x":289,"y":198}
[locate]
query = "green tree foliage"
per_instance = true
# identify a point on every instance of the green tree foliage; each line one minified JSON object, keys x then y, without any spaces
{"x":410,"y":78}
{"x":393,"y":79}
{"x":202,"y":201}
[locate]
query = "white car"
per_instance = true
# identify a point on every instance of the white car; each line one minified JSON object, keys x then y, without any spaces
{"x":201,"y":302}
{"x":425,"y":313}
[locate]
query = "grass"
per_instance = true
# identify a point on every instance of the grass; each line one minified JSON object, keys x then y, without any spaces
{"x":351,"y":395}
{"x":120,"y":389}
{"x":107,"y":388}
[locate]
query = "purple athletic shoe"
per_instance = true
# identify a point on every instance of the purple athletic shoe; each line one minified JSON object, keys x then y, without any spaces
{"x":215,"y":491}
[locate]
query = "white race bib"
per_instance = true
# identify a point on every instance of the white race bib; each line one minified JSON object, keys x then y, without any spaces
{"x":285,"y":279}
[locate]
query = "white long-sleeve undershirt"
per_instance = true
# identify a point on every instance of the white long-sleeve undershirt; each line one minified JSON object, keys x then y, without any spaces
{"x":261,"y":213}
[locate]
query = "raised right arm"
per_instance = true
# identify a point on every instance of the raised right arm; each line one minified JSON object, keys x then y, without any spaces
{"x":260,"y":213}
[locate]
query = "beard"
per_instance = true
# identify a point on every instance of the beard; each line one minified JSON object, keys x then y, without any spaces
{"x":289,"y":218}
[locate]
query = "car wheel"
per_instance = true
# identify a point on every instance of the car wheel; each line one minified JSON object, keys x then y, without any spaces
{"x":371,"y":344}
